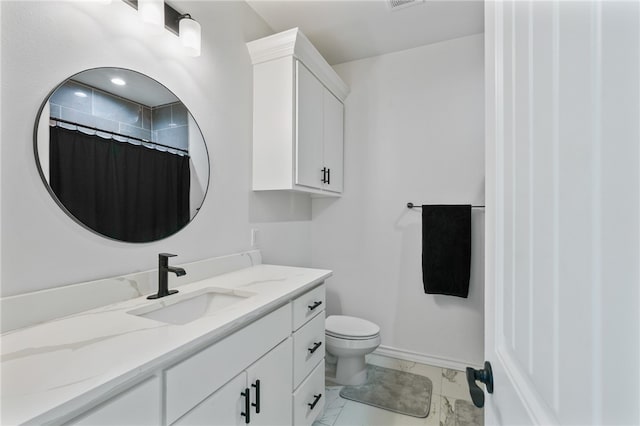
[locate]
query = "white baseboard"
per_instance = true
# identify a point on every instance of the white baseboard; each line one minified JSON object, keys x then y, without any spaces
{"x":435,"y":361}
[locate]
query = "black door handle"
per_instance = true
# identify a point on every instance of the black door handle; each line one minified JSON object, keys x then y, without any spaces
{"x":324,"y":175}
{"x":315,"y":401}
{"x":257,"y":403}
{"x":315,"y":347}
{"x":485,"y":376}
{"x":315,"y":305}
{"x":328,"y":176}
{"x":247,"y":406}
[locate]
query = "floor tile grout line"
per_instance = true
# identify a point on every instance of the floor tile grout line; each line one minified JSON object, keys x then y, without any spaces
{"x":440,"y":397}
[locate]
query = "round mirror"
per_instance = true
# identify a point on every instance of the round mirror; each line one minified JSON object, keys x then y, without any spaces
{"x":122,"y":155}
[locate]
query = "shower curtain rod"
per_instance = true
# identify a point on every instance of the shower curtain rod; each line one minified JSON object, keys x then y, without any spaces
{"x":410,"y":205}
{"x":59,"y":120}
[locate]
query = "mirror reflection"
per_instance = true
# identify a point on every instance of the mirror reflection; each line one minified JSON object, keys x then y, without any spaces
{"x":122,"y":155}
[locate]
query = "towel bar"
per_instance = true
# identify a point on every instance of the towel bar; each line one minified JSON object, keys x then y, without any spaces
{"x":410,"y":205}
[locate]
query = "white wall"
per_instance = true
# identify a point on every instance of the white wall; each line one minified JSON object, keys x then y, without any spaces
{"x":414,"y":132}
{"x":42,"y":44}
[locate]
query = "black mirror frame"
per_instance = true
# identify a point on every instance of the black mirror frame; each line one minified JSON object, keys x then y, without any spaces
{"x":54,"y":196}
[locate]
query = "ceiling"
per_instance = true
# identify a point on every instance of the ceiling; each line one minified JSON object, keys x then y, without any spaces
{"x":138,"y":88}
{"x":346,"y":30}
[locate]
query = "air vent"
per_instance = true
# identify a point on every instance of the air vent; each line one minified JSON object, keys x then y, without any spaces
{"x":401,"y":4}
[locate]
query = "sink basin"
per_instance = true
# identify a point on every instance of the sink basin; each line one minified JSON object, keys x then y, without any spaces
{"x":184,"y":308}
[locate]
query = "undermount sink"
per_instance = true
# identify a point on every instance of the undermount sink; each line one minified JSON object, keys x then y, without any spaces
{"x":184,"y":308}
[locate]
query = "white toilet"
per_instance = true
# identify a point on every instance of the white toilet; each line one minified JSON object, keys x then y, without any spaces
{"x":349,"y":339}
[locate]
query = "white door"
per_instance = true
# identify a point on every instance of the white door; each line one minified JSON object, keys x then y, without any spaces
{"x":563,"y":212}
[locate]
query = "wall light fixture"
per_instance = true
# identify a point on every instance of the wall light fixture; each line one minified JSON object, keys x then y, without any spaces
{"x":190,"y":34}
{"x":161,"y":15}
{"x":152,"y":13}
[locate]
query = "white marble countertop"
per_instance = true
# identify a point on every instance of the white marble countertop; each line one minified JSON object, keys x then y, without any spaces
{"x":52,"y":369}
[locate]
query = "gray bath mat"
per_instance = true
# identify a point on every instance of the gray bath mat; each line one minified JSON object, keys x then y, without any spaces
{"x":393,"y":390}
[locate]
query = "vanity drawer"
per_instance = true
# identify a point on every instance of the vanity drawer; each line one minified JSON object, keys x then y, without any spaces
{"x":308,"y":400}
{"x":308,"y":348}
{"x":308,"y":306}
{"x":192,"y":380}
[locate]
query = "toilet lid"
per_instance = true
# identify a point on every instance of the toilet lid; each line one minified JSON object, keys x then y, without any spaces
{"x":350,"y":327}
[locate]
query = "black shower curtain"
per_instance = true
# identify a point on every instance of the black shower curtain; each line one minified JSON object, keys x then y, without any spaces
{"x":123,"y":191}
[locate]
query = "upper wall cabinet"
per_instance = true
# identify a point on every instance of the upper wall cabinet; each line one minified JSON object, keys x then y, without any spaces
{"x":298,"y":117}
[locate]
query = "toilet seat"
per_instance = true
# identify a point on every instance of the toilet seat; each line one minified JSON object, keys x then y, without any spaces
{"x":343,"y":337}
{"x":350,"y":328}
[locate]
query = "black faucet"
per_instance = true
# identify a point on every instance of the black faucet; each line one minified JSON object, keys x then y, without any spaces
{"x":163,"y":271}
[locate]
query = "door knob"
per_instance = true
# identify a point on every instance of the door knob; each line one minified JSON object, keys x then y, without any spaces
{"x":485,"y":376}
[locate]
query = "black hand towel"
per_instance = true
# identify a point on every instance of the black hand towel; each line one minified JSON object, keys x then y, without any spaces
{"x":446,"y":249}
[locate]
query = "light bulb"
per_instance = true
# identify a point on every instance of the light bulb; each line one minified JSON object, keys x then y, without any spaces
{"x":152,"y":13}
{"x":190,"y":35}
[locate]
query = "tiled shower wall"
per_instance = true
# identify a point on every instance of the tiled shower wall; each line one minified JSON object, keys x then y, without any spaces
{"x":169,"y":125}
{"x":76,"y":102}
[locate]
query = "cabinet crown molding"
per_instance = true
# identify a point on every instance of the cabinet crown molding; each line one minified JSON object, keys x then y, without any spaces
{"x":294,"y":43}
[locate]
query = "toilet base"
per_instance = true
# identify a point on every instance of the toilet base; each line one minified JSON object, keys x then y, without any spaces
{"x":351,"y":371}
{"x":330,"y":358}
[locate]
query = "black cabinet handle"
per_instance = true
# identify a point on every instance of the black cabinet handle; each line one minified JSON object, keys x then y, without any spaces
{"x":247,"y":406}
{"x":315,"y":401}
{"x":315,"y":347}
{"x":324,"y":175}
{"x":485,"y":376}
{"x":257,"y":403}
{"x":315,"y":305}
{"x":328,"y":176}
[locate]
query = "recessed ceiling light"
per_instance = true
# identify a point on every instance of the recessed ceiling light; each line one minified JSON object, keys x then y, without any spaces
{"x":80,"y":94}
{"x":118,"y":81}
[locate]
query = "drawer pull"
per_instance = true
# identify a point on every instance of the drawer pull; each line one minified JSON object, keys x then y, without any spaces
{"x":257,"y":403}
{"x":315,"y":347}
{"x":315,"y":305}
{"x":247,"y":406}
{"x":315,"y":401}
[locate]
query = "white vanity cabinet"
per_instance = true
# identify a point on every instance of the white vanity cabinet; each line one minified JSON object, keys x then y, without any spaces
{"x":298,"y":117}
{"x":193,"y":380}
{"x":130,"y":369}
{"x":258,"y":395}
{"x":269,"y":373}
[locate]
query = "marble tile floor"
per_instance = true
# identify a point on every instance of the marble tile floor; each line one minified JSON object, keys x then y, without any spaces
{"x":448,"y":386}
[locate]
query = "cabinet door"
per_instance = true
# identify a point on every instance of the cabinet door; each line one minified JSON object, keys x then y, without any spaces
{"x":309,"y":128}
{"x":333,"y":113}
{"x":223,"y":408}
{"x":275,"y":375}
